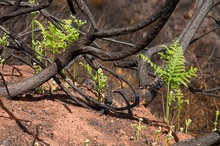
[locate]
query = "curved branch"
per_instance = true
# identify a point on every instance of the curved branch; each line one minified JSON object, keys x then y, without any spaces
{"x":209,"y":139}
{"x":165,"y":8}
{"x":25,"y":11}
{"x":189,"y":31}
{"x":83,"y":7}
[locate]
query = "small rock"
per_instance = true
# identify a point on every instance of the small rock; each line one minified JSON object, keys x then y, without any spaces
{"x":5,"y":143}
{"x":46,"y":111}
{"x":121,"y":132}
{"x":32,"y":112}
{"x":132,"y":138}
{"x":28,"y":123}
{"x":154,"y":144}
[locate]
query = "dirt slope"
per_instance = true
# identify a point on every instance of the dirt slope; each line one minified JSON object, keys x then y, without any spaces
{"x":52,"y":120}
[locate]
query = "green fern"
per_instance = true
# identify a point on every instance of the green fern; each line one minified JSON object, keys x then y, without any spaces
{"x":55,"y":39}
{"x":173,"y":73}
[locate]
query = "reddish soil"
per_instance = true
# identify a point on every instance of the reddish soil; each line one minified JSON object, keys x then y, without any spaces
{"x":51,"y":120}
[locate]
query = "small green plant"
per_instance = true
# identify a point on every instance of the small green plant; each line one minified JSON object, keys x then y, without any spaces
{"x":3,"y":40}
{"x":188,"y":122}
{"x":169,"y":137}
{"x":181,"y":129}
{"x":3,"y":43}
{"x":157,"y":132}
{"x":86,"y":142}
{"x":36,"y":144}
{"x":179,"y":101}
{"x":99,"y":78}
{"x":138,"y":127}
{"x":173,"y":74}
{"x":53,"y":39}
{"x":216,"y":120}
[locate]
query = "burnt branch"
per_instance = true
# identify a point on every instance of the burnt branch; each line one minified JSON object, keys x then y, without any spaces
{"x":199,"y":15}
{"x":209,"y":139}
{"x":24,"y":11}
{"x":70,"y":4}
{"x":16,"y":5}
{"x":161,"y":14}
{"x":186,"y":36}
{"x":83,"y":7}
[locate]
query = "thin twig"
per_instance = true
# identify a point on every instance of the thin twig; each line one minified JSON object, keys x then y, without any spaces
{"x":6,"y":87}
{"x":25,"y":11}
{"x":83,"y":7}
{"x":209,"y":59}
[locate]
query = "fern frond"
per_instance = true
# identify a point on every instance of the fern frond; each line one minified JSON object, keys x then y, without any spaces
{"x":157,"y":69}
{"x":174,"y":71}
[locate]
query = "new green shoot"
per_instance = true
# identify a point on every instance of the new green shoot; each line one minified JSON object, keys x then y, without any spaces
{"x":169,"y":137}
{"x":86,"y":142}
{"x":188,"y":122}
{"x":138,"y":127}
{"x":216,"y":120}
{"x":98,"y":77}
{"x":3,"y":43}
{"x":157,"y":132}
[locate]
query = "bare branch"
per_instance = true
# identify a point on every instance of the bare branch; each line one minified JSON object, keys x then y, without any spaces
{"x":166,"y":8}
{"x":16,"y":5}
{"x":83,"y":7}
{"x":24,"y":11}
{"x":189,"y":31}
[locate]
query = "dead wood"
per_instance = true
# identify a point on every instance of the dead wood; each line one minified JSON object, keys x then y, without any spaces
{"x":209,"y":139}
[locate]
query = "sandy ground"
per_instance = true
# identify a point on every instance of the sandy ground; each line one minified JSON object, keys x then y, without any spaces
{"x":33,"y":119}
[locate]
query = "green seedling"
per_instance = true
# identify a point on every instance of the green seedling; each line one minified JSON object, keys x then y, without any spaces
{"x":188,"y":122}
{"x":54,"y":39}
{"x":169,"y":137}
{"x":181,"y":129}
{"x":138,"y":127}
{"x":179,"y":101}
{"x":216,"y":120}
{"x":99,"y":78}
{"x":3,"y":43}
{"x":86,"y":142}
{"x":173,"y":73}
{"x":36,"y":144}
{"x":3,"y":40}
{"x":157,"y":132}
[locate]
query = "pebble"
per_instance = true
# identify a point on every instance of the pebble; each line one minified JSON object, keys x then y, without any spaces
{"x":28,"y":123}
{"x":132,"y":138}
{"x":5,"y":143}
